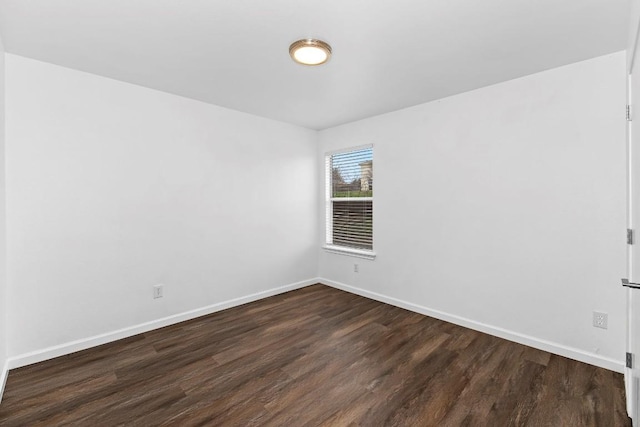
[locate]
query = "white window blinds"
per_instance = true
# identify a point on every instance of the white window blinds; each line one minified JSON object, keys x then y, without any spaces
{"x":350,"y":199}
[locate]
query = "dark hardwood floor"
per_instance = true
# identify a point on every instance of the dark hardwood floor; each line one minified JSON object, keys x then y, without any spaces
{"x":315,"y":356}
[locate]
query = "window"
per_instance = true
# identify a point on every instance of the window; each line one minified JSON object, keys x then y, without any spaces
{"x":349,"y":194}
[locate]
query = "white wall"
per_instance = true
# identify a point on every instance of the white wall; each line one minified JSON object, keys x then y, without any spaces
{"x":3,"y":259}
{"x":113,"y":188}
{"x":503,"y":208}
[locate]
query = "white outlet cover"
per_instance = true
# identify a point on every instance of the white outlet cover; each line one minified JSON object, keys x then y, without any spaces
{"x":157,"y":291}
{"x":600,"y":320}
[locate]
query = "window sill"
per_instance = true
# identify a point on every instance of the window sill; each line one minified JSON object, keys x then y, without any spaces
{"x":341,"y":250}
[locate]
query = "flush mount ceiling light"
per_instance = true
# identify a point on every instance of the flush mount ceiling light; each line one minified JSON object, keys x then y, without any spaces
{"x":310,"y":52}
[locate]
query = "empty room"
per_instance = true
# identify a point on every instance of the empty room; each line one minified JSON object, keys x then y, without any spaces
{"x":191,"y":232}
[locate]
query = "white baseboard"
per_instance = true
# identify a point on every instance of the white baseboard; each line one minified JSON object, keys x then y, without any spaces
{"x":551,"y":347}
{"x":85,"y":343}
{"x":3,"y":378}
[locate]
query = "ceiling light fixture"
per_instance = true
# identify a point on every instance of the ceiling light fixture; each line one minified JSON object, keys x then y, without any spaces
{"x":310,"y":52}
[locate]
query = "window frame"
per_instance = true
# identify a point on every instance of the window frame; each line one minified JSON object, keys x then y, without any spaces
{"x":328,"y":185}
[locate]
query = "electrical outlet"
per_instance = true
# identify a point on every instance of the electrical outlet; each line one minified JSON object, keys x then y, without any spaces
{"x":600,"y":319}
{"x":355,"y":268}
{"x":157,"y":291}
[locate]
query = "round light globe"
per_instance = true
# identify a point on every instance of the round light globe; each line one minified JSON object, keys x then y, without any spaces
{"x":310,"y":52}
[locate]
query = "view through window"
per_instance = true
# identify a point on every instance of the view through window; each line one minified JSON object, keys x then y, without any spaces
{"x":350,"y":199}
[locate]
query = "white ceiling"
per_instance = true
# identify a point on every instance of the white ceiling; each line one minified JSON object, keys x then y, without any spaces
{"x":388,"y":54}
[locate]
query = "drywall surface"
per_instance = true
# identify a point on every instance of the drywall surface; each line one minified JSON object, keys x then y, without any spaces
{"x":115,"y":188}
{"x":503,"y":207}
{"x":3,"y":238}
